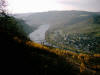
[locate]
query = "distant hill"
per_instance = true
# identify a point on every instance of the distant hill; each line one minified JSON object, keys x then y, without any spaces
{"x":51,"y":17}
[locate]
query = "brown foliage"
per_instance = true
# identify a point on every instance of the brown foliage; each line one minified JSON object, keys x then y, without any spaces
{"x":75,"y":58}
{"x":82,"y":67}
{"x":17,"y":39}
{"x":96,"y":55}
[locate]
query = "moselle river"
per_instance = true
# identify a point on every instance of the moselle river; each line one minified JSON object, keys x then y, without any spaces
{"x":38,"y":35}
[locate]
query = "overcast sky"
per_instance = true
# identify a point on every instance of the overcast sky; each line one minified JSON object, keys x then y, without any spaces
{"x":25,"y":6}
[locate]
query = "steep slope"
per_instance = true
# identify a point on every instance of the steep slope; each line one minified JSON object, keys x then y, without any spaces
{"x":20,"y":58}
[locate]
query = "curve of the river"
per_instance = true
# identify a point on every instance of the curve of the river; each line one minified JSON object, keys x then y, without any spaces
{"x":38,"y":35}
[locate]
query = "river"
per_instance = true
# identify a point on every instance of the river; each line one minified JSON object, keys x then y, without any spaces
{"x":38,"y":35}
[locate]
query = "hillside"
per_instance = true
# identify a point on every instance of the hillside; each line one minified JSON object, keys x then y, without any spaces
{"x":80,"y":34}
{"x":22,"y":55}
{"x":19,"y":57}
{"x":52,"y":17}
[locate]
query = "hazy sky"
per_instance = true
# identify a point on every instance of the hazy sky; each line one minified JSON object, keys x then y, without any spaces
{"x":24,"y":6}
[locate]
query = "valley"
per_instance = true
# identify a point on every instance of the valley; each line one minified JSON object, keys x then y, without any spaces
{"x":77,"y":31}
{"x":70,"y":47}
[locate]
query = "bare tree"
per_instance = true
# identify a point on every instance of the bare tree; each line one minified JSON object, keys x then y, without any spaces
{"x":3,"y":4}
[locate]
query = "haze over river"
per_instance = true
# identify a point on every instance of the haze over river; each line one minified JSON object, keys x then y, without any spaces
{"x":38,"y":35}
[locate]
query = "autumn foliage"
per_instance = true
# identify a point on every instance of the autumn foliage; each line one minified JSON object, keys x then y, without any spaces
{"x":83,"y":60}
